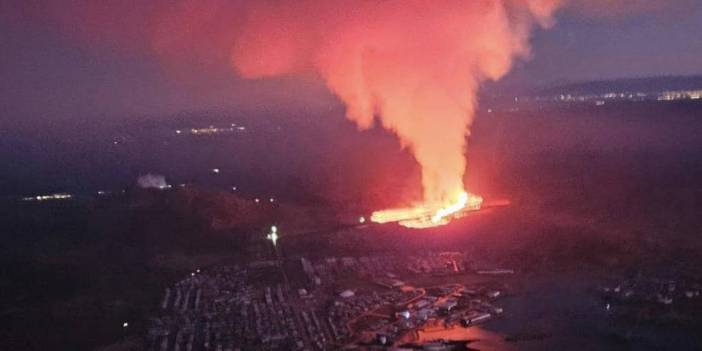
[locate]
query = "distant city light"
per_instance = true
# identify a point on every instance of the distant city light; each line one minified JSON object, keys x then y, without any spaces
{"x":362,"y":219}
{"x":600,"y":99}
{"x":233,"y":188}
{"x":125,"y":324}
{"x":271,"y":200}
{"x":211,"y":130}
{"x":680,"y":95}
{"x":257,"y":200}
{"x":215,"y":170}
{"x":56,"y":196}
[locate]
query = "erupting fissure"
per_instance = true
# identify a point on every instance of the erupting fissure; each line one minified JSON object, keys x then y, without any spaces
{"x":429,"y":215}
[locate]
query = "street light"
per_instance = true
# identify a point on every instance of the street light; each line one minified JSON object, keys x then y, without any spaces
{"x":273,"y":235}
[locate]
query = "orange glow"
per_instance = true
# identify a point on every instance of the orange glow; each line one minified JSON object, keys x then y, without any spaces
{"x":412,"y":67}
{"x":429,"y":215}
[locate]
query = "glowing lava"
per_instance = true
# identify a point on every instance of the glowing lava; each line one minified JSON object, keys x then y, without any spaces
{"x":426,"y":215}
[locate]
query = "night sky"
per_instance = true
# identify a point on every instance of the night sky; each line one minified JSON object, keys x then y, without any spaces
{"x":50,"y":77}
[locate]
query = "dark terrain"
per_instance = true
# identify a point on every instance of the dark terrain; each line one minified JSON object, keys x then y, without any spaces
{"x":611,"y":190}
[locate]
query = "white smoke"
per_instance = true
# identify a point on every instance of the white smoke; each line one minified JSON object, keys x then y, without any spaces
{"x":152,"y":181}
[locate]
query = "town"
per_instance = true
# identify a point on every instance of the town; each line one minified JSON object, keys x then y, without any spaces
{"x":326,"y":304}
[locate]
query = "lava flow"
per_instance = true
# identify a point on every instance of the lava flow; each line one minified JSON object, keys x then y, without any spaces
{"x":429,"y":215}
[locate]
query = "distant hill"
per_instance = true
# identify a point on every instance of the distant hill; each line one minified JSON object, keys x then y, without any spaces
{"x":219,"y":212}
{"x":644,"y":85}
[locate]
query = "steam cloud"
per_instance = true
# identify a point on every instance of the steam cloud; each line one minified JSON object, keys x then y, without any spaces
{"x":416,"y":65}
{"x":152,"y":181}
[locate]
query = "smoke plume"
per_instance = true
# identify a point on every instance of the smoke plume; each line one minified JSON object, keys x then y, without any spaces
{"x":152,"y":181}
{"x":415,"y":66}
{"x":412,"y":65}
